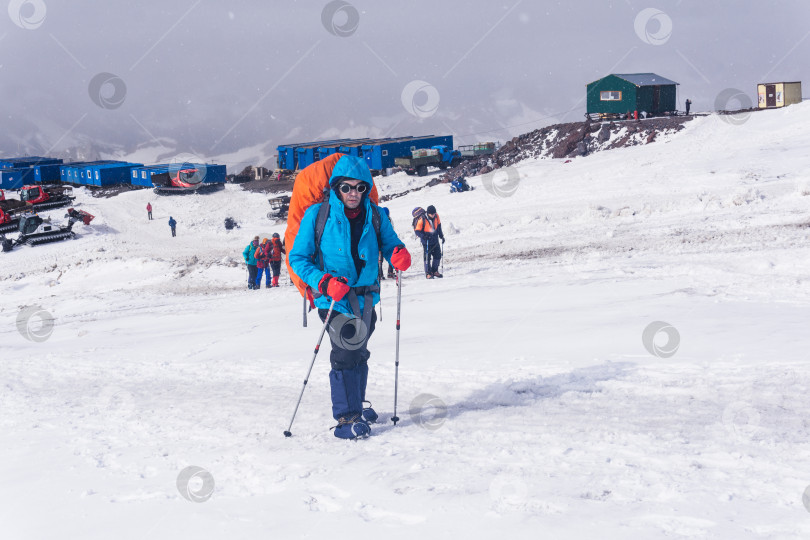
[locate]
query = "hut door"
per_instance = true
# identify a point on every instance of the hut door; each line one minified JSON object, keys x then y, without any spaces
{"x":656,"y":99}
{"x":770,"y":95}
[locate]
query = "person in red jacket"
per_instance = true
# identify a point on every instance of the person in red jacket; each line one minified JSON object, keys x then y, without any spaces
{"x":276,"y":249}
{"x":149,"y":209}
{"x":263,"y":254}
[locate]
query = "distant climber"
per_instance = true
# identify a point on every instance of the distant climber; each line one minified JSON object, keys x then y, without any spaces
{"x":428,"y":227}
{"x":249,"y":254}
{"x":460,"y":185}
{"x":149,"y":210}
{"x":276,"y":249}
{"x":173,"y":225}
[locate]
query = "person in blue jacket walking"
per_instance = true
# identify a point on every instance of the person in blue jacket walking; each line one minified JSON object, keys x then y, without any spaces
{"x":173,"y":225}
{"x":346,"y":271}
{"x":249,"y":254}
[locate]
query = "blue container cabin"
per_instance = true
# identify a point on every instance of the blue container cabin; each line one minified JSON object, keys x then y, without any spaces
{"x":30,"y":161}
{"x":68,"y":173}
{"x":107,"y":174}
{"x":26,"y":167}
{"x":142,"y":175}
{"x":14,"y":178}
{"x":325,"y":151}
{"x":83,"y":173}
{"x":288,"y":157}
{"x":351,"y":149}
{"x":304,"y":156}
{"x":309,"y":154}
{"x":380,"y":156}
{"x":44,"y":174}
{"x":215,"y":174}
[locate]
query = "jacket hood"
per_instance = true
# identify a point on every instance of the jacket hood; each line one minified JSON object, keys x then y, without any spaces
{"x":351,"y":167}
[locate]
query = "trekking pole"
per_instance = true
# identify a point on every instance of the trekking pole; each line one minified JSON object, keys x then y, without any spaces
{"x":395,"y":418}
{"x":314,"y":355}
{"x":305,"y":311}
{"x":379,"y":280}
{"x":425,"y":250}
{"x":441,"y":246}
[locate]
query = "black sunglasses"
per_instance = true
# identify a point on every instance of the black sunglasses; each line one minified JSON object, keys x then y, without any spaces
{"x":361,"y":188}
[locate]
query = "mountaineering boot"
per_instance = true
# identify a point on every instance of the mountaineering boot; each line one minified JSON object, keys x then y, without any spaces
{"x":391,"y":275}
{"x":429,"y":276}
{"x":368,"y":414}
{"x":275,"y":281}
{"x":351,"y":428}
{"x":438,"y":275}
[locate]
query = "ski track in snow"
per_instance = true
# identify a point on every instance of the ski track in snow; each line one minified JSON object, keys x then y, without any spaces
{"x":546,"y":416}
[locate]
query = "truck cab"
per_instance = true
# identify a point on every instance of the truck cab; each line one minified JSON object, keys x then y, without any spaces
{"x":29,"y":223}
{"x":33,"y":194}
{"x":447,"y":154}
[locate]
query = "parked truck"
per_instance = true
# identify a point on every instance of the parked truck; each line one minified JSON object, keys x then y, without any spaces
{"x":436,"y":156}
{"x":442,"y":157}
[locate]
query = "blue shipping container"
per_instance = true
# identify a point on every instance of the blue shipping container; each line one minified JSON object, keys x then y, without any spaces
{"x":29,"y":161}
{"x":288,"y":155}
{"x":47,"y":173}
{"x":70,"y":172}
{"x":142,"y":175}
{"x":12,"y":178}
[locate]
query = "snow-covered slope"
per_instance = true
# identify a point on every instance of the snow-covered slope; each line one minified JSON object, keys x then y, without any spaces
{"x":530,"y":406}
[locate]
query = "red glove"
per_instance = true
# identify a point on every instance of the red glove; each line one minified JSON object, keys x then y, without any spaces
{"x":335,"y":288}
{"x":401,"y":259}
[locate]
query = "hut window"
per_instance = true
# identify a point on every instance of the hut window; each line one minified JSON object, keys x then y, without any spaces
{"x":385,"y":152}
{"x":610,"y":95}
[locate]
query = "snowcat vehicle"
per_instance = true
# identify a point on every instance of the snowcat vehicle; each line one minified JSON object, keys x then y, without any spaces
{"x":45,"y":197}
{"x":35,"y":230}
{"x":279,"y":207}
{"x":10,"y":212}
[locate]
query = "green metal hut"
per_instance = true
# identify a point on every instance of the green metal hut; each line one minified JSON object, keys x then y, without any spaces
{"x":619,"y":94}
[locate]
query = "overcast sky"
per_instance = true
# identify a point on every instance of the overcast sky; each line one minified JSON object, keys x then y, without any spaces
{"x":215,"y":76}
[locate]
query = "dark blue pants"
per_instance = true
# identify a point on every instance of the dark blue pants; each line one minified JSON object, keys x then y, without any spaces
{"x":259,"y":273}
{"x":251,"y":276}
{"x":433,"y":256}
{"x":349,"y":374}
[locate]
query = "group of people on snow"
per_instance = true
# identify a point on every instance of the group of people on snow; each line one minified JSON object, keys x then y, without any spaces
{"x":261,"y":258}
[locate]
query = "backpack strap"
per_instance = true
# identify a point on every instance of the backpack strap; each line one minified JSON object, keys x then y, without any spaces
{"x":320,"y":225}
{"x":376,"y":221}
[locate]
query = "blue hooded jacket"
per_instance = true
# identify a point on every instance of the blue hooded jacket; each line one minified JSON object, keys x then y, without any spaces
{"x":336,"y":240}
